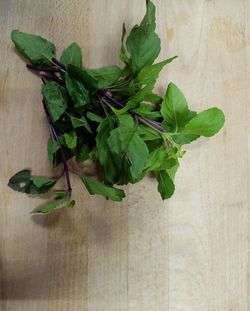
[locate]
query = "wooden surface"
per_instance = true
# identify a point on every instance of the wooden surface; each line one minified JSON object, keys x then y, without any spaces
{"x":187,"y":254}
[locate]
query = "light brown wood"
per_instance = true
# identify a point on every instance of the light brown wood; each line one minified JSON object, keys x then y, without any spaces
{"x":189,"y":253}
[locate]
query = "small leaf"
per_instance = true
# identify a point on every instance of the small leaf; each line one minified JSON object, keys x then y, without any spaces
{"x":165,"y":184}
{"x":40,"y":182}
{"x":83,"y":154}
{"x":159,"y":159}
{"x":95,"y":187}
{"x":78,"y":93}
{"x":206,"y":123}
{"x":20,"y":181}
{"x":53,"y":147}
{"x":72,"y":55}
{"x":48,"y":207}
{"x":55,"y":100}
{"x":123,"y":55}
{"x":149,"y":74}
{"x":76,"y":122}
{"x":36,"y":49}
{"x":70,"y":139}
{"x":94,"y":117}
{"x":83,"y":76}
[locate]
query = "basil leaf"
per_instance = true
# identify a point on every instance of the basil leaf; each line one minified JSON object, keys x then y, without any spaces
{"x":165,"y":184}
{"x":174,"y":108}
{"x":94,"y":117}
{"x":95,"y":187}
{"x":48,"y":207}
{"x":83,"y":76}
{"x":40,"y":182}
{"x":159,"y":159}
{"x":78,"y":93}
{"x":53,"y":147}
{"x":20,"y":181}
{"x":70,"y":139}
{"x":149,"y":74}
{"x":105,"y":76}
{"x":36,"y":49}
{"x":55,"y":99}
{"x":76,"y":122}
{"x":206,"y":123}
{"x":103,"y":151}
{"x":126,"y":142}
{"x":143,"y":44}
{"x":72,"y":55}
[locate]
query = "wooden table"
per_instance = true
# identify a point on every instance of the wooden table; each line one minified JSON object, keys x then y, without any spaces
{"x":186,"y":254}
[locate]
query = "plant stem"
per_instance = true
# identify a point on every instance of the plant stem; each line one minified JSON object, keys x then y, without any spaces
{"x":48,"y":69}
{"x":142,"y":119}
{"x":55,"y":137}
{"x":58,"y":64}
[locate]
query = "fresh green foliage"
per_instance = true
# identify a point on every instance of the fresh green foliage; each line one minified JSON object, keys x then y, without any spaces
{"x":36,"y":49}
{"x":95,"y":187}
{"x":55,"y":99}
{"x":72,"y":55}
{"x":111,"y":116}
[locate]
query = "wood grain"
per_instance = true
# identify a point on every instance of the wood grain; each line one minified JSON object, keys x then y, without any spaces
{"x":190,"y":253}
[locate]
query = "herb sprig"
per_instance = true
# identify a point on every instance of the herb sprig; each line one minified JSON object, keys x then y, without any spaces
{"x":110,"y":115}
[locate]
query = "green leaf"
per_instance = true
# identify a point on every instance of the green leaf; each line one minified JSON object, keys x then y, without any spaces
{"x":72,"y":55}
{"x":24,"y":182}
{"x":104,"y":154}
{"x":94,"y":117}
{"x":105,"y":76}
{"x":143,"y":43}
{"x":76,"y":122}
{"x":95,"y":187}
{"x":159,"y":159}
{"x":123,"y":55}
{"x":78,"y":93}
{"x":48,"y":207}
{"x":36,"y":49}
{"x":174,"y":108}
{"x":148,"y":111}
{"x":165,"y":184}
{"x":125,"y":142}
{"x":83,"y":154}
{"x":55,"y":99}
{"x":83,"y":76}
{"x":149,"y":74}
{"x":20,"y":181}
{"x":147,"y":133}
{"x":70,"y":139}
{"x":206,"y":123}
{"x":40,"y":182}
{"x":53,"y":147}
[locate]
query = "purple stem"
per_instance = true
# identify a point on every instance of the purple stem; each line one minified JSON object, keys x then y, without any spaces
{"x":48,"y":69}
{"x":144,"y":120}
{"x":59,"y":64}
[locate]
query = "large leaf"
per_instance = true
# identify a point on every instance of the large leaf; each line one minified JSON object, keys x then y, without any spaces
{"x":95,"y":187}
{"x":36,"y":49}
{"x":149,"y":74}
{"x":72,"y":55}
{"x":77,"y":91}
{"x":174,"y":108}
{"x":55,"y":99}
{"x":165,"y":184}
{"x":206,"y":123}
{"x":105,"y":76}
{"x":125,"y":142}
{"x":143,"y":43}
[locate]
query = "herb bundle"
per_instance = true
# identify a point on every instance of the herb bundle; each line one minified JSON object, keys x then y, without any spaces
{"x":112,"y":116}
